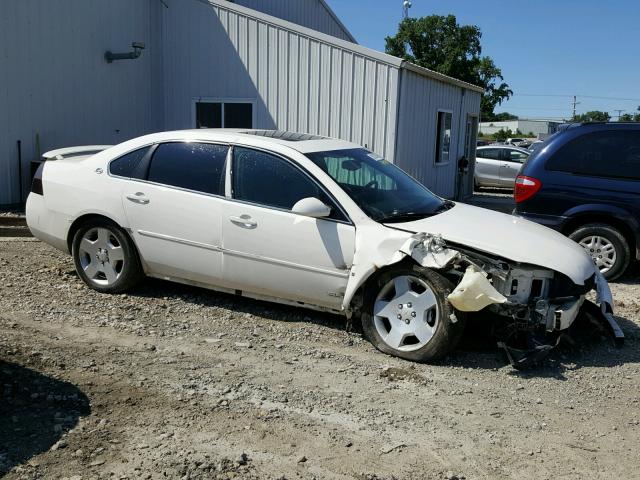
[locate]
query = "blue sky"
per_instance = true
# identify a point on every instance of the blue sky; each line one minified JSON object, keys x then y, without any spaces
{"x":554,"y":47}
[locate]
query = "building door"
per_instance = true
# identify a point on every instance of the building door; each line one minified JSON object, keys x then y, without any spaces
{"x":220,"y":113}
{"x":470,"y":140}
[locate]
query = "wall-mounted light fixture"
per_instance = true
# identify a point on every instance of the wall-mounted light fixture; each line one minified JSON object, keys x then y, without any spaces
{"x":137,"y":51}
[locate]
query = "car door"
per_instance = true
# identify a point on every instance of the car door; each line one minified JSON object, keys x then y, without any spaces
{"x":511,"y":164}
{"x":487,"y":170}
{"x":270,"y":251}
{"x":175,"y":215}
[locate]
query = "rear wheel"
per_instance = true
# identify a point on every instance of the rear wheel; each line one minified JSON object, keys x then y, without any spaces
{"x":406,"y":314}
{"x":607,"y":246}
{"x":105,"y":257}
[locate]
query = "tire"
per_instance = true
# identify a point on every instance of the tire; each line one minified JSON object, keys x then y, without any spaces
{"x":606,"y":245}
{"x":378,"y":322}
{"x":105,"y":257}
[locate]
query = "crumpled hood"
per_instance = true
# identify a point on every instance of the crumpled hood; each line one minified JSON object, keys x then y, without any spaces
{"x":507,"y":236}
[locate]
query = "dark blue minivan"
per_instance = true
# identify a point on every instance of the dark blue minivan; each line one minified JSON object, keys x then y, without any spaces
{"x":585,"y":182}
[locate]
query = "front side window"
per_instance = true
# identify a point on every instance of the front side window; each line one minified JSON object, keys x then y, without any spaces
{"x":194,"y":166}
{"x":443,"y":137}
{"x":224,"y":115}
{"x":126,"y":165}
{"x":516,"y":156}
{"x":265,"y":179}
{"x":613,"y":154}
{"x":383,"y":191}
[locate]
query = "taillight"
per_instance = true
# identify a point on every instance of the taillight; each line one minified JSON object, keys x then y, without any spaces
{"x":36,"y":183}
{"x":526,"y":187}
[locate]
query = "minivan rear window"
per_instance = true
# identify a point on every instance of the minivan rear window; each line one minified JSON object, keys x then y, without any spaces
{"x":608,"y":153}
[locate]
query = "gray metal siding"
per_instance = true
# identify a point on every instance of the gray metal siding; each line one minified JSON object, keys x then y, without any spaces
{"x":55,"y":82}
{"x":308,"y":13}
{"x":420,"y":100}
{"x":297,"y":82}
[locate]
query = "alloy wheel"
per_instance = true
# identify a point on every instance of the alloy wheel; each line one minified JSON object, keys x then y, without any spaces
{"x":406,"y":313}
{"x":602,"y":251}
{"x":101,"y":256}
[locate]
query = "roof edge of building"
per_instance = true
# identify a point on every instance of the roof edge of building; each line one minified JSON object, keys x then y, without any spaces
{"x":344,"y":44}
{"x":308,"y":32}
{"x":335,"y":17}
{"x":425,"y":72}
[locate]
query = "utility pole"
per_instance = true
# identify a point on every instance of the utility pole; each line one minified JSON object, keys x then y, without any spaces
{"x":575,"y":102}
{"x":406,"y":5}
{"x":619,"y":113}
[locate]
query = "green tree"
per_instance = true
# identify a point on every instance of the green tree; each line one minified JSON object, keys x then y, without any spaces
{"x":500,"y":117}
{"x":629,"y":117}
{"x":593,"y":116}
{"x":502,"y":134}
{"x":441,"y":44}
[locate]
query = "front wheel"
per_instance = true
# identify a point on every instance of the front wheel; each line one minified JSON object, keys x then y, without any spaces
{"x":407,"y":314}
{"x":105,"y":257}
{"x":606,"y":245}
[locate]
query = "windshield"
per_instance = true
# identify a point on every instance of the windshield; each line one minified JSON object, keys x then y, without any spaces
{"x":383,"y":191}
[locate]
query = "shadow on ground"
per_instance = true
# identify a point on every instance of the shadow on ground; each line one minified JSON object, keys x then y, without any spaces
{"x":35,"y":412}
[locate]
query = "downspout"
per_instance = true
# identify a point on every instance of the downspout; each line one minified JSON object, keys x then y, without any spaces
{"x":397,"y":127}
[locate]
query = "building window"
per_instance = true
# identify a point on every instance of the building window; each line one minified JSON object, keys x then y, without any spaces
{"x":443,"y":137}
{"x":221,"y":114}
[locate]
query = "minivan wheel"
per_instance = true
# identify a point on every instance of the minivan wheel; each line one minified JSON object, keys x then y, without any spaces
{"x":607,"y":246}
{"x":406,"y":314}
{"x":105,"y":257}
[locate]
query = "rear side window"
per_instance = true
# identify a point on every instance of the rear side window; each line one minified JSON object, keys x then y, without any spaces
{"x":491,"y":153}
{"x":126,"y":165}
{"x":194,"y":166}
{"x":610,"y":153}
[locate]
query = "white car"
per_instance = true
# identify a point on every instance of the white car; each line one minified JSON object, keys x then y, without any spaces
{"x":307,"y":221}
{"x":498,"y":165}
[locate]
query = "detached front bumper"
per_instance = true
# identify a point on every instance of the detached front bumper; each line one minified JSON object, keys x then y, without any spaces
{"x":604,"y":303}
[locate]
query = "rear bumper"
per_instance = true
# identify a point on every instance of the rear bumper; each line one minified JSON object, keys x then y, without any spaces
{"x":46,"y":225}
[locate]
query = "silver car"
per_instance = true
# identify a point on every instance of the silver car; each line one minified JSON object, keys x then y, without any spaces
{"x":498,"y":165}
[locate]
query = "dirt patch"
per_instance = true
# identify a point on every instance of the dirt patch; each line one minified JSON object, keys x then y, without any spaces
{"x":177,"y":382}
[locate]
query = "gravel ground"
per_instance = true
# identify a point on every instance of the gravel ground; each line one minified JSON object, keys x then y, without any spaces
{"x":178,"y":382}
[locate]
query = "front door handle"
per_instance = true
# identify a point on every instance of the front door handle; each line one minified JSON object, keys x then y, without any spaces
{"x":138,"y":197}
{"x":243,"y":221}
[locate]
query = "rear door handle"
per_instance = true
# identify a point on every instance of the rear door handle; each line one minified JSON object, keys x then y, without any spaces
{"x":243,"y":221}
{"x":138,"y":197}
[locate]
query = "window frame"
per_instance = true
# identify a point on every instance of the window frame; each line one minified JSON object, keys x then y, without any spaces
{"x":229,"y":182}
{"x":145,"y":164}
{"x":222,"y":101}
{"x":438,"y":145}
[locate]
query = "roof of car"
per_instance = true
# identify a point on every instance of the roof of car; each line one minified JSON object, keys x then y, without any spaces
{"x":502,"y":145}
{"x":302,"y":142}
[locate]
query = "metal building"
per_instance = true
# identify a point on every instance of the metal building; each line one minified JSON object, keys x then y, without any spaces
{"x":284,"y":64}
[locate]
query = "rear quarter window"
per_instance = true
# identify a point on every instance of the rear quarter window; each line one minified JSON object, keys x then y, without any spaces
{"x":126,"y":165}
{"x":608,"y":153}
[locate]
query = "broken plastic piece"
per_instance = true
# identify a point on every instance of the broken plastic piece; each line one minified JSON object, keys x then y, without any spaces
{"x":474,"y":292}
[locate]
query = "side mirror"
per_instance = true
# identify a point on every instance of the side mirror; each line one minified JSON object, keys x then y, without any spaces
{"x":311,"y":207}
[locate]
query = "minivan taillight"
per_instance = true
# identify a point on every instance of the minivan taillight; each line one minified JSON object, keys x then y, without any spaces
{"x":526,"y":187}
{"x":36,"y":183}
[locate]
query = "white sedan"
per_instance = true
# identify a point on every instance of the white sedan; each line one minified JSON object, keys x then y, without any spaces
{"x":308,"y":221}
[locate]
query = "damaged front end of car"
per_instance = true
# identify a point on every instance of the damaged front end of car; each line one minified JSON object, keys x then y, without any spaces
{"x":530,"y":308}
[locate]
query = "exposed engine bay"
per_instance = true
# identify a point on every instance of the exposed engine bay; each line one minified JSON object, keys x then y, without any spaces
{"x":534,"y":306}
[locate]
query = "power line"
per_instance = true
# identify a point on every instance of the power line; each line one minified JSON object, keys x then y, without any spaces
{"x":571,"y":96}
